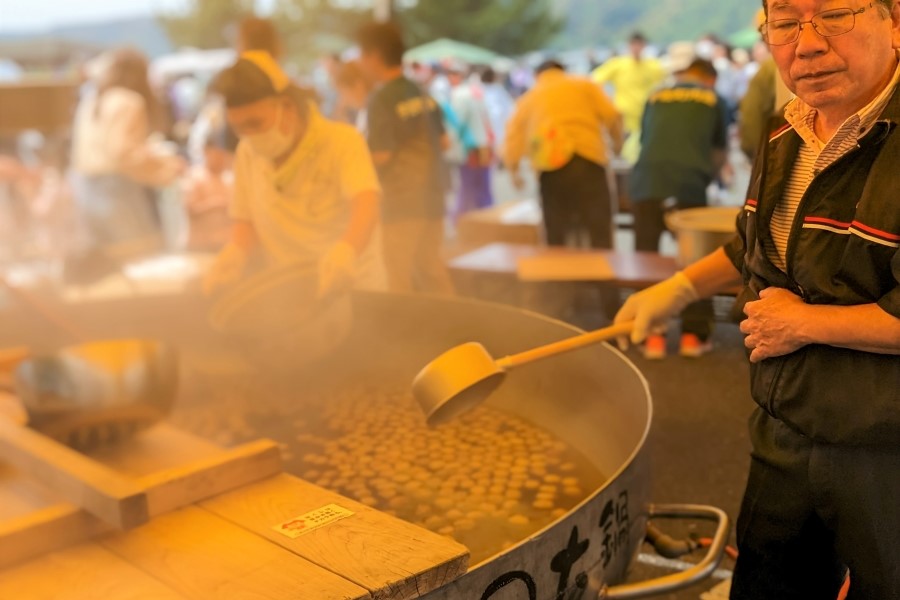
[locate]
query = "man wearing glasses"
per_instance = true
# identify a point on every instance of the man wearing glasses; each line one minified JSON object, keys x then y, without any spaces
{"x":818,"y":253}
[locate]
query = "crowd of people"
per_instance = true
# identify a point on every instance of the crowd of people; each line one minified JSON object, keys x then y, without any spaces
{"x":436,"y":134}
{"x":357,"y":182}
{"x":368,"y":169}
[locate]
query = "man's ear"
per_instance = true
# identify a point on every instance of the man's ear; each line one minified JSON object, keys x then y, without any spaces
{"x":895,"y":25}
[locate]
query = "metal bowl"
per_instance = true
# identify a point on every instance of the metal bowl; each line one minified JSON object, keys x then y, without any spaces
{"x":98,"y":392}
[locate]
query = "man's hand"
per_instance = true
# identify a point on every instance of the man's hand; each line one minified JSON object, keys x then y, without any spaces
{"x":337,"y":268}
{"x":652,"y":308}
{"x":774,"y":324}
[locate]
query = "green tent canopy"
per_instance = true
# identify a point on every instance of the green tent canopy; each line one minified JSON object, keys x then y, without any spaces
{"x":444,"y":49}
{"x":745,"y":38}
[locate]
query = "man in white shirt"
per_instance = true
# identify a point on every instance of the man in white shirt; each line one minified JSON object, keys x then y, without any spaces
{"x":305,"y":187}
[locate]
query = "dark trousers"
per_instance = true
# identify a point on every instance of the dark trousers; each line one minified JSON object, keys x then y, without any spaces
{"x":576,"y":198}
{"x":649,"y":225}
{"x":812,"y":510}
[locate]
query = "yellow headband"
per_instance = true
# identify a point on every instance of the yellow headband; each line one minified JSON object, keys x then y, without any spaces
{"x":267,"y":65}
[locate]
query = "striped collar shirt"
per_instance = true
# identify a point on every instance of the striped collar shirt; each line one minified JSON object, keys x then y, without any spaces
{"x":814,"y":156}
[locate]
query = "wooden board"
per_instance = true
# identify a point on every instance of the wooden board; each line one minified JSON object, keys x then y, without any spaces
{"x":205,"y":478}
{"x":204,"y":557}
{"x":389,"y":557}
{"x":21,"y":495}
{"x":564,"y":267}
{"x":85,"y":572}
{"x":33,"y":521}
{"x":109,"y":496}
{"x":51,"y":528}
{"x":158,"y":448}
{"x":10,"y":407}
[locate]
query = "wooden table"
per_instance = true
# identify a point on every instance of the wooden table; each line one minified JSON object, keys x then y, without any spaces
{"x":633,"y":270}
{"x":278,"y":538}
{"x":518,"y":222}
{"x":492,"y":272}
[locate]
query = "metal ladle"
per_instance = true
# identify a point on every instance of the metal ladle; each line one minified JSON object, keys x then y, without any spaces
{"x":461,"y":378}
{"x":92,"y":392}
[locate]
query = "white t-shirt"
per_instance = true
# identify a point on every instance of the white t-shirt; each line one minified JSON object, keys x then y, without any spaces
{"x":310,"y":213}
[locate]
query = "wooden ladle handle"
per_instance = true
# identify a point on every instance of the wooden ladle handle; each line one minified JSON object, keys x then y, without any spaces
{"x":566,"y":345}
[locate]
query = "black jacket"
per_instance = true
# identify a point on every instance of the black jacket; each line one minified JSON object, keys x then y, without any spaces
{"x":844,"y":249}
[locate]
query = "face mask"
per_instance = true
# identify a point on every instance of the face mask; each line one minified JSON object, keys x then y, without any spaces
{"x":272,"y":143}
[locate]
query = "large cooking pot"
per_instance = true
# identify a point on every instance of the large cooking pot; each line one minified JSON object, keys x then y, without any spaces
{"x":594,"y":399}
{"x":277,"y":318}
{"x":702,"y":230}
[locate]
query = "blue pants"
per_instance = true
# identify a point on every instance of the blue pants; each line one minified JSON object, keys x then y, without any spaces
{"x":811,"y":511}
{"x":474,"y":189}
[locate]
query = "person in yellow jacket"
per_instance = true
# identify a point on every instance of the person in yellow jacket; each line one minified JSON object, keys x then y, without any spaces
{"x":633,"y":77}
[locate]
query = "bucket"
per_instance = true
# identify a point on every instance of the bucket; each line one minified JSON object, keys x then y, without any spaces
{"x":700,"y":231}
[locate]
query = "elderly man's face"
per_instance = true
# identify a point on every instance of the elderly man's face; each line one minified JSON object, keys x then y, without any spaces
{"x":837,"y":75}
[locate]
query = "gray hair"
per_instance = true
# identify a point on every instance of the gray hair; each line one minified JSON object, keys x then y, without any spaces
{"x":886,"y":4}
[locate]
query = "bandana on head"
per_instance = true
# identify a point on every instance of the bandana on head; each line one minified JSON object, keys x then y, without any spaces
{"x":265,"y":63}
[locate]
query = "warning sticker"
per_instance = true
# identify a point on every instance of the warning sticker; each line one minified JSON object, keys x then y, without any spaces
{"x":313,"y":520}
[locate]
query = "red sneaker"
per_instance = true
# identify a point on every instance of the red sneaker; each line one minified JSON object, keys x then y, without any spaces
{"x":693,"y":347}
{"x":655,"y":347}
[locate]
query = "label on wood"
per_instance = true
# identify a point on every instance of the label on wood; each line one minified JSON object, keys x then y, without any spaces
{"x":314,"y":519}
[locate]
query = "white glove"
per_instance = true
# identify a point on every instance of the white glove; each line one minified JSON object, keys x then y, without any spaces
{"x":337,"y":268}
{"x":652,"y":308}
{"x":227,"y":268}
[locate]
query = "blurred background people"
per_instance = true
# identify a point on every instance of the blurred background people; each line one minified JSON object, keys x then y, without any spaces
{"x":255,"y":33}
{"x":499,"y":105}
{"x":354,"y":90}
{"x":471,"y":139}
{"x":763,"y":101}
{"x":117,"y":167}
{"x":208,"y":189}
{"x":684,"y":136}
{"x":632,"y":77}
{"x":305,"y":187}
{"x":406,"y":137}
{"x":561,"y":126}
{"x":325,"y":83}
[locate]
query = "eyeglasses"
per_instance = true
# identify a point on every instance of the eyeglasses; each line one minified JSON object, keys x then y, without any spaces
{"x":827,"y":23}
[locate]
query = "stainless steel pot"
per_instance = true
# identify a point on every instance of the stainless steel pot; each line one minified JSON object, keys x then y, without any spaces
{"x":699,"y":231}
{"x":594,"y":399}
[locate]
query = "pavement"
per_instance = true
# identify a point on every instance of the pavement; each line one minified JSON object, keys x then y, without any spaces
{"x":699,"y":442}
